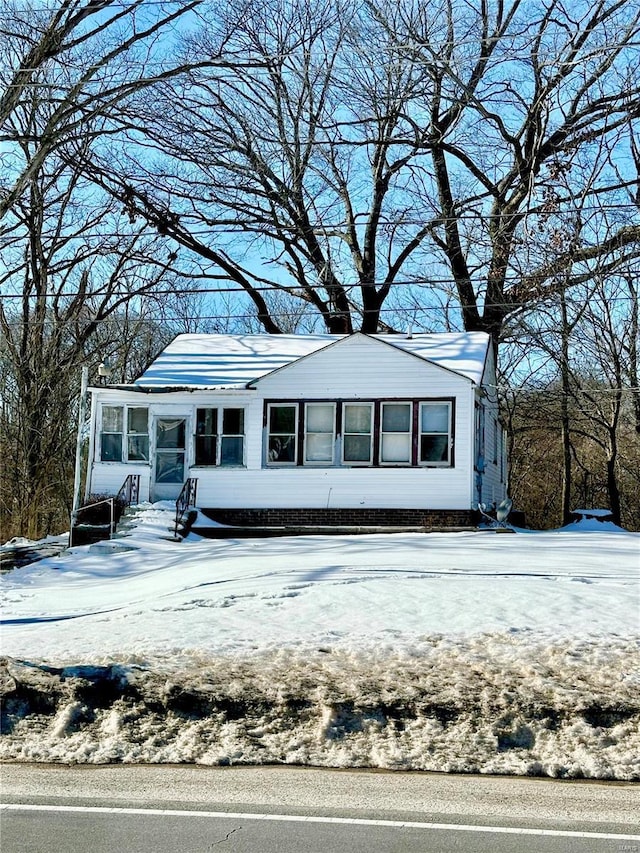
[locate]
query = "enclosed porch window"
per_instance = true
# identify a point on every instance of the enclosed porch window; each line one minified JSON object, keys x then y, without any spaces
{"x":357,"y":441}
{"x":219,"y":438}
{"x":393,"y":433}
{"x":320,"y":436}
{"x":395,"y":439}
{"x":282,"y":423}
{"x":435,"y":433}
{"x":116,"y":445}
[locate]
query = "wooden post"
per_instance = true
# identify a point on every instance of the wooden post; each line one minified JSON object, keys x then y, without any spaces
{"x":82,"y":414}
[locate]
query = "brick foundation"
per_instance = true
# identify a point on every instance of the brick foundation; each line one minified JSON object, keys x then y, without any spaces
{"x":344,"y":517}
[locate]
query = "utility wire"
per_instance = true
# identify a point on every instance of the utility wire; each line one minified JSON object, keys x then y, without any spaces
{"x":290,"y":290}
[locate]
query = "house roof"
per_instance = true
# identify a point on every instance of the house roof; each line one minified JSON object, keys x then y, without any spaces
{"x":234,"y":361}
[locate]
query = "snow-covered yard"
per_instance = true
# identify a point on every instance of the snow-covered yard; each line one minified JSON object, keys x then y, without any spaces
{"x":480,"y":652}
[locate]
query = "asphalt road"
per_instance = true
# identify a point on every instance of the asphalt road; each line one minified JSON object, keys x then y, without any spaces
{"x":142,"y":809}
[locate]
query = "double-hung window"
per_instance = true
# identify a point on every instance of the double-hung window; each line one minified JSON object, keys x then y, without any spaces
{"x":402,"y":433}
{"x":435,"y":433}
{"x":137,"y":434}
{"x":319,"y":433}
{"x":282,"y":422}
{"x":395,"y":433}
{"x":219,"y":438}
{"x":357,"y":433}
{"x":118,"y":445}
{"x":111,"y":435}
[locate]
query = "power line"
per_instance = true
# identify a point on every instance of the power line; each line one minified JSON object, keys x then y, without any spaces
{"x":310,"y":313}
{"x":289,"y":290}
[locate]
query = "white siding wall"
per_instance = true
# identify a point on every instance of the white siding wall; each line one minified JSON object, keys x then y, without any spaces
{"x":342,"y":488}
{"x":368,"y":368}
{"x":108,"y":477}
{"x":356,"y":369}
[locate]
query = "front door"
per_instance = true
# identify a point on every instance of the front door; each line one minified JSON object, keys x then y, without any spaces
{"x":169,"y":459}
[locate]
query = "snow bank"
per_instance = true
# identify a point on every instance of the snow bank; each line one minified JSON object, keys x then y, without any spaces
{"x":489,"y":704}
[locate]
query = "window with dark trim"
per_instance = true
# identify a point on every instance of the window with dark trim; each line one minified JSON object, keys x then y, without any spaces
{"x":395,"y":433}
{"x":282,"y":448}
{"x":402,"y":433}
{"x":357,"y":433}
{"x":435,"y":433}
{"x":319,"y":433}
{"x":219,"y":438}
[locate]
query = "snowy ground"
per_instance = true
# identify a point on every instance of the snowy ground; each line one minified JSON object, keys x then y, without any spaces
{"x":479,"y":652}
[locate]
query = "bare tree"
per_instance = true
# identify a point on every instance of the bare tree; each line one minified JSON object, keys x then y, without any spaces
{"x":66,"y":278}
{"x":302,"y":174}
{"x":74,"y":267}
{"x":572,"y":424}
{"x":90,"y":56}
{"x":392,"y":144}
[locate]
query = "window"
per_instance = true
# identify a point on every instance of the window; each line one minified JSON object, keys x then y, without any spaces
{"x":319,"y":436}
{"x":137,"y":435}
{"x":214,"y":447}
{"x":406,"y":433}
{"x":357,"y":433}
{"x":111,"y":436}
{"x":283,"y":430}
{"x":232,"y":438}
{"x":206,"y":439}
{"x":435,"y":433}
{"x":395,"y":437}
{"x":113,"y":447}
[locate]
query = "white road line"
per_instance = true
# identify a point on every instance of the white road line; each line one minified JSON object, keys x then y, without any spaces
{"x":400,"y":824}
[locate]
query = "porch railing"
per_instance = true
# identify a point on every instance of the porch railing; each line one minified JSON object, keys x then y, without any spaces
{"x":95,"y":526}
{"x":186,"y":498}
{"x":129,"y":490}
{"x":128,"y":494}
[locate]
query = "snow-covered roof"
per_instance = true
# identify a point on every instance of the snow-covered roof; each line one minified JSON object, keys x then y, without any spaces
{"x":234,"y":361}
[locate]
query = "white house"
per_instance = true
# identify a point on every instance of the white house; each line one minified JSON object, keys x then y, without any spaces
{"x":309,"y":429}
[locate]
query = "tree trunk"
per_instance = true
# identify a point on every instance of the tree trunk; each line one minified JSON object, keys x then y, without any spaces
{"x":564,"y":415}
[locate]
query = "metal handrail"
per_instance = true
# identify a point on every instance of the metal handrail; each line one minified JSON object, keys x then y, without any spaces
{"x":186,"y":498}
{"x":112,"y":523}
{"x":127,"y":495}
{"x":130,"y":490}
